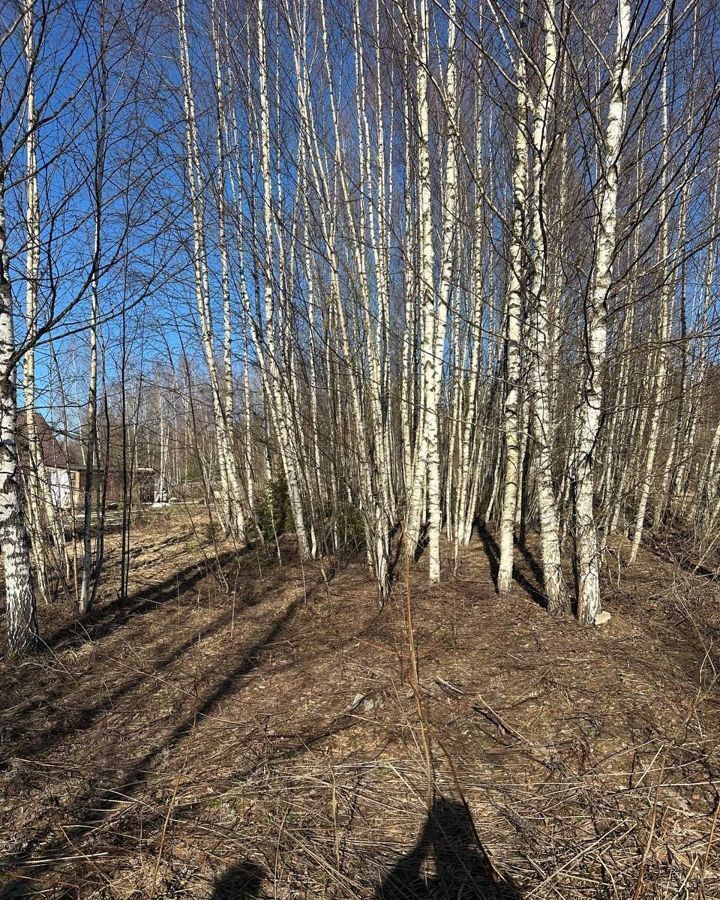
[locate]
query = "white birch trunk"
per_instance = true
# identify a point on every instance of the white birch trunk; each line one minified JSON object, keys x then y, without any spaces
{"x":22,"y":633}
{"x":590,"y":412}
{"x":664,"y":322}
{"x":416,"y":500}
{"x":229,"y":475}
{"x":42,"y":515}
{"x":539,"y":326}
{"x":275,"y":391}
{"x":435,"y":370}
{"x":513,"y":304}
{"x":468,"y":480}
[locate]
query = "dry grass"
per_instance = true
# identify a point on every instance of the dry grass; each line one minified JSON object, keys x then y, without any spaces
{"x":240,"y":718}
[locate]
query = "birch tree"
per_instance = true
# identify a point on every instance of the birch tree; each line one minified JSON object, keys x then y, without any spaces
{"x":540,"y":325}
{"x":664,"y":312}
{"x":22,"y":630}
{"x":513,"y":312}
{"x":233,"y":515}
{"x":590,"y":408}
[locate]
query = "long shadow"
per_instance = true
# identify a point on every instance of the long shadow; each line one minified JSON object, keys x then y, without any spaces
{"x":532,"y":562}
{"x":448,"y":861}
{"x":84,"y":717}
{"x":95,"y":808}
{"x":241,"y":882}
{"x":675,"y":544}
{"x":492,"y":551}
{"x":423,"y":541}
{"x":702,"y":572}
{"x":88,"y":714}
{"x":102,"y":620}
{"x":691,"y":567}
{"x":92,"y":808}
{"x":25,"y":887}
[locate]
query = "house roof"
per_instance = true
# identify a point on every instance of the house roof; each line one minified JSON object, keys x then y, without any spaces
{"x":59,"y":450}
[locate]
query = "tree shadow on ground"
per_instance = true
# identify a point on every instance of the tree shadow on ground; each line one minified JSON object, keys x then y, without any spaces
{"x":91,"y":809}
{"x":104,"y":619}
{"x":95,"y":807}
{"x":88,"y":706}
{"x":492,"y":551}
{"x":422,"y":542}
{"x":532,"y":562}
{"x":241,"y":882}
{"x":33,"y":740}
{"x":462,"y":868}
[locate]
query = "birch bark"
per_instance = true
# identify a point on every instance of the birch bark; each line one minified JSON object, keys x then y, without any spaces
{"x":590,"y":412}
{"x":22,"y":632}
{"x":229,"y":476}
{"x":416,"y":501}
{"x":664,"y":319}
{"x":539,"y":326}
{"x":90,"y":565}
{"x":435,"y":370}
{"x":513,"y":307}
{"x":274,"y":388}
{"x":41,"y":511}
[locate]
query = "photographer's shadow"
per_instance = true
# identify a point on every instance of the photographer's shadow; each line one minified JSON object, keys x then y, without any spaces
{"x":462,"y":869}
{"x":241,"y":882}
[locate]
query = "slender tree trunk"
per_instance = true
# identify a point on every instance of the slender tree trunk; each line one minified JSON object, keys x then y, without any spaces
{"x":590,"y":412}
{"x":417,"y":499}
{"x":542,"y":431}
{"x":513,"y":306}
{"x":22,"y":632}
{"x":229,"y":476}
{"x":664,"y":317}
{"x":275,"y":390}
{"x":89,"y":581}
{"x":41,"y":510}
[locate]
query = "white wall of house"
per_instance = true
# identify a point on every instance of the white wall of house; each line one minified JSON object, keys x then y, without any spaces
{"x":60,"y":487}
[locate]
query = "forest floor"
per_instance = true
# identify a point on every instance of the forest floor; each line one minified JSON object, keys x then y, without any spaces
{"x":241,"y":729}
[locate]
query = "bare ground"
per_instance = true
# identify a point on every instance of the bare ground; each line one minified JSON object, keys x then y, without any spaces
{"x":243,"y":729}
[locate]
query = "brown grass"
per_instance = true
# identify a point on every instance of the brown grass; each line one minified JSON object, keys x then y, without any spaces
{"x":239,"y":719}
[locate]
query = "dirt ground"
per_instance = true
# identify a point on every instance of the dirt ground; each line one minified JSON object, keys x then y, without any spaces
{"x":241,"y":728}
